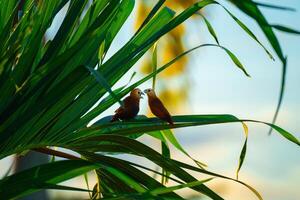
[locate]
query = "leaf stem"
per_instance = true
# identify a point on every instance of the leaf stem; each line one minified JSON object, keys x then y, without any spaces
{"x":56,"y":153}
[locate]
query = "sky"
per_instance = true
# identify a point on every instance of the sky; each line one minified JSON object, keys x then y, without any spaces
{"x":272,"y":164}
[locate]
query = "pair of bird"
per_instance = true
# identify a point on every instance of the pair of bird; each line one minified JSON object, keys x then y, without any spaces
{"x":131,"y":106}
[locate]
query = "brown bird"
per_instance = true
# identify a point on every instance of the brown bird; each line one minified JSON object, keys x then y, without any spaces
{"x":130,"y":107}
{"x":157,"y":107}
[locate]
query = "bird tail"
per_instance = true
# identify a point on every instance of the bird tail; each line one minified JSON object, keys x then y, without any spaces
{"x":114,"y":118}
{"x":170,"y":121}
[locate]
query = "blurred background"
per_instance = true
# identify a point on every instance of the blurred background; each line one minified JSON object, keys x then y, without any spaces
{"x":207,"y":82}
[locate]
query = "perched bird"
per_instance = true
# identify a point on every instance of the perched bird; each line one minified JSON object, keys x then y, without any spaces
{"x":130,"y":107}
{"x":157,"y":107}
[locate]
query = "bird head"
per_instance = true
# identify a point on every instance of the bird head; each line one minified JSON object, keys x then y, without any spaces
{"x":150,"y":92}
{"x":137,"y":93}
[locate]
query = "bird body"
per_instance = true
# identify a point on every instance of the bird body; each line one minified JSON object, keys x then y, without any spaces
{"x":157,"y":107}
{"x":130,"y":108}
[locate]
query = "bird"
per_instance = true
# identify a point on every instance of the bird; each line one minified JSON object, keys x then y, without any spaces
{"x":131,"y":106}
{"x":157,"y":107}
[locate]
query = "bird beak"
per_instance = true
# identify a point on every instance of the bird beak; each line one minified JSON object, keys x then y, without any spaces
{"x":145,"y":91}
{"x":142,"y":95}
